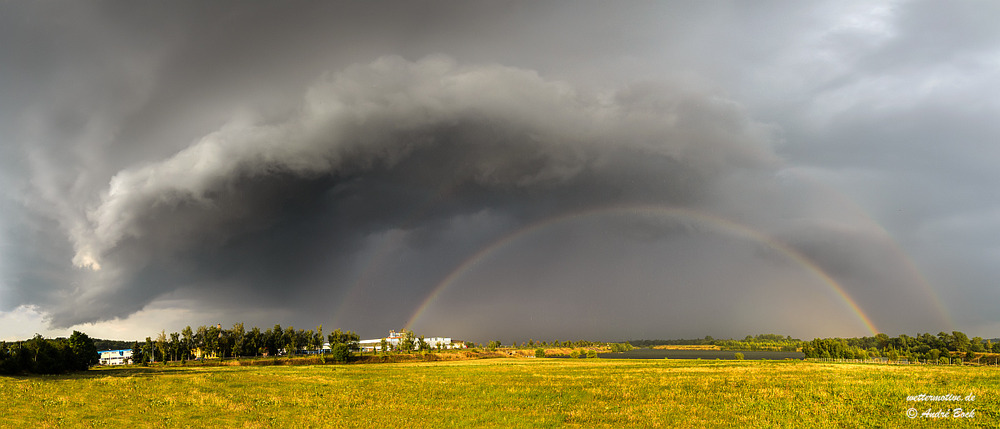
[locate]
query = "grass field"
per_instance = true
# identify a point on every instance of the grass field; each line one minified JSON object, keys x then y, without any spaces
{"x":504,"y":392}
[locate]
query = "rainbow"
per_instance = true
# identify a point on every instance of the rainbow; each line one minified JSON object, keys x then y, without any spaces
{"x":915,"y":273}
{"x":683,"y":214}
{"x":383,"y":250}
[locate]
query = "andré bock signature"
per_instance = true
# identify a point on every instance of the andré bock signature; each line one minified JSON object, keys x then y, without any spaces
{"x":940,"y":412}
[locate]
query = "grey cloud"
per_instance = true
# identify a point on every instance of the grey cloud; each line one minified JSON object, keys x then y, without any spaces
{"x":376,"y":141}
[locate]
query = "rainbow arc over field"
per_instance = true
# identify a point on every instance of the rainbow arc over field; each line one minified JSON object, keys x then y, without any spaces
{"x":683,"y":214}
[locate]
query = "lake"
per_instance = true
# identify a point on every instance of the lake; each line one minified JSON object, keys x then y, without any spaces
{"x":700,"y":354}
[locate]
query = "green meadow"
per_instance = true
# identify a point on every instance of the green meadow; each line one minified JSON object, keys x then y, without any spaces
{"x":518,"y":392}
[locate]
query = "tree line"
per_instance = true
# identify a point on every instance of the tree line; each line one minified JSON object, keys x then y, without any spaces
{"x":927,"y":347}
{"x":531,"y":343}
{"x":102,"y":344}
{"x":48,"y":356}
{"x":216,"y":341}
{"x":766,"y":342}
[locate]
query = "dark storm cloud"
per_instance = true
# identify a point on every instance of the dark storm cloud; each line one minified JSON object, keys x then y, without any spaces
{"x":375,"y":144}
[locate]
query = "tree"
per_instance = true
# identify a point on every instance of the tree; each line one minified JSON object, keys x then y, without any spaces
{"x":406,"y":343}
{"x":893,"y":355}
{"x":6,"y":359}
{"x":960,"y":342}
{"x":212,"y":336}
{"x":349,"y":339}
{"x":341,"y":353}
{"x":287,"y":340}
{"x":539,"y":353}
{"x":161,"y":345}
{"x":175,"y":345}
{"x":977,"y":345}
{"x":44,"y":357}
{"x":738,"y":356}
{"x":422,"y":345}
{"x":84,"y":351}
{"x":304,"y":338}
{"x":883,"y":341}
{"x":187,"y":342}
{"x":383,"y":345}
{"x":317,"y":342}
{"x":272,"y":340}
{"x":237,"y":340}
{"x":933,"y":355}
{"x":620,"y":347}
{"x":148,"y":352}
{"x":10,"y":358}
{"x":137,"y":353}
{"x":201,"y":340}
{"x":254,"y":341}
{"x":225,"y":342}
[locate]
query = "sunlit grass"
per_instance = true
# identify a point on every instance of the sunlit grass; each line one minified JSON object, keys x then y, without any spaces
{"x":502,"y":392}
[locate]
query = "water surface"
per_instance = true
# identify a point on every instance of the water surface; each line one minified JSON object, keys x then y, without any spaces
{"x":700,"y":354}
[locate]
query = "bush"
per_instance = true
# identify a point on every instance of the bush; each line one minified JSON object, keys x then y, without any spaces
{"x":539,"y":353}
{"x":619,"y":347}
{"x":591,"y":354}
{"x":341,"y":353}
{"x":739,"y":356}
{"x":574,"y":354}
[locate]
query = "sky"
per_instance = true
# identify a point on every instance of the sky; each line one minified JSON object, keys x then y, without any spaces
{"x":500,"y":170}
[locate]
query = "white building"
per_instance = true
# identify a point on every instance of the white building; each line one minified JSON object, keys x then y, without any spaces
{"x":369,"y":345}
{"x":394,"y":338}
{"x":443,"y":343}
{"x":115,"y":357}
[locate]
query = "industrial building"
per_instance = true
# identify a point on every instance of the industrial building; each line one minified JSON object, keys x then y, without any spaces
{"x":115,"y":357}
{"x":394,"y":338}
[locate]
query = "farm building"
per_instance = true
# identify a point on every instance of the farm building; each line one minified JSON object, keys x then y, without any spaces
{"x":115,"y":357}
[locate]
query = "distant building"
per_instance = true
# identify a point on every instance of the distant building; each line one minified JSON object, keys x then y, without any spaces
{"x":200,"y":353}
{"x":394,"y":338}
{"x":115,"y":357}
{"x":369,"y":345}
